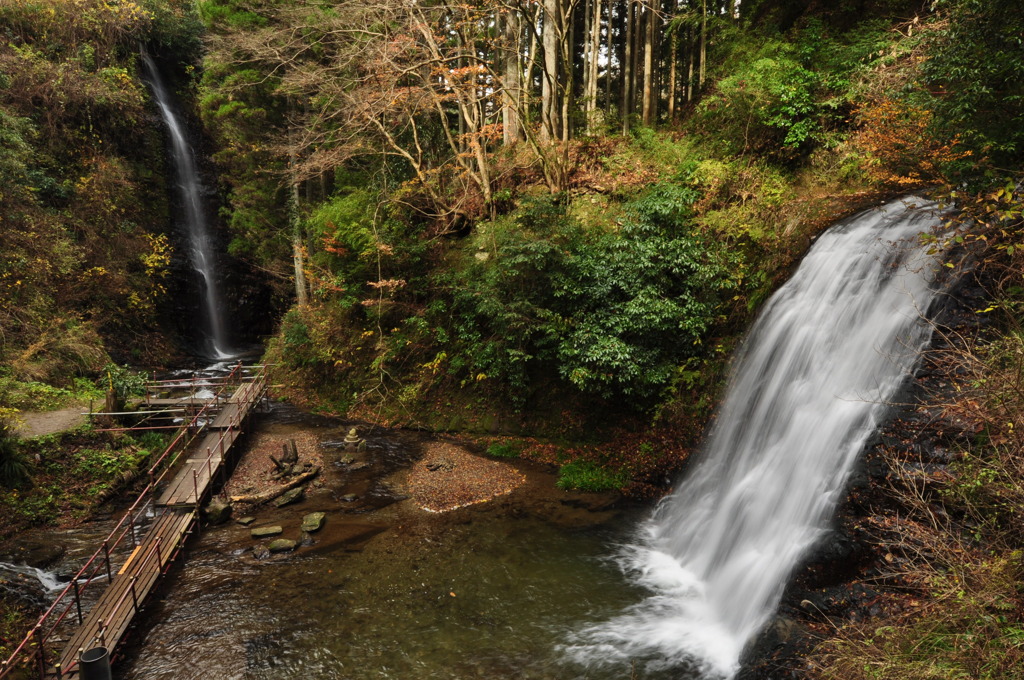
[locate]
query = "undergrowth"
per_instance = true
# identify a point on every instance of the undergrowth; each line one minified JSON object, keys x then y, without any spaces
{"x":65,"y":476}
{"x":959,"y":544}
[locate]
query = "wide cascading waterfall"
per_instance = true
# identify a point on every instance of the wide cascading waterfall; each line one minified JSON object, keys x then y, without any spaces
{"x":809,"y":387}
{"x":194,"y":218}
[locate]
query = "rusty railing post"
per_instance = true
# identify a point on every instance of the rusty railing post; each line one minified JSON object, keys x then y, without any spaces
{"x":37,"y":632}
{"x":106,"y":558}
{"x":78,"y":603}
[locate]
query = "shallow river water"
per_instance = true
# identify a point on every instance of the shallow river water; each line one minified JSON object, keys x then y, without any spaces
{"x":387,"y":590}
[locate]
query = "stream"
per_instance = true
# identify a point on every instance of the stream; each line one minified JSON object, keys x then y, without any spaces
{"x":387,"y":590}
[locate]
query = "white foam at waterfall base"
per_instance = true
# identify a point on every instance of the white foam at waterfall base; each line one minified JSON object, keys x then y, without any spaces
{"x":809,"y":386}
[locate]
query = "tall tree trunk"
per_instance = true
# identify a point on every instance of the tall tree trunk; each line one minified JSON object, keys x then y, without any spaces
{"x":650,"y":102}
{"x":703,"y":41}
{"x":593,"y":52}
{"x":511,"y":95}
{"x":530,"y":85}
{"x":550,"y":109}
{"x":692,"y":56}
{"x":567,"y":87}
{"x":628,"y":65}
{"x":588,"y":55}
{"x":298,"y":247}
{"x":673,"y":57}
{"x":609,"y":49}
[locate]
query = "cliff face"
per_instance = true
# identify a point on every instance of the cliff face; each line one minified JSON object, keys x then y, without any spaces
{"x":85,"y":250}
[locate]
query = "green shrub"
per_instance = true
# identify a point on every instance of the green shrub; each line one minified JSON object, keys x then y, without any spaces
{"x":975,"y":61}
{"x":14,"y":467}
{"x":587,"y":476}
{"x":124,"y":381}
{"x":636,"y":303}
{"x":505,"y":449}
{"x":610,"y":313}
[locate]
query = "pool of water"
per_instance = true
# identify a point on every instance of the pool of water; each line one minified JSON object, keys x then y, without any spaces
{"x":387,"y":590}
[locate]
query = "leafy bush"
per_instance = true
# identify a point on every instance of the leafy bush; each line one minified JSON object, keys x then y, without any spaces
{"x":505,"y":450}
{"x":587,"y":476}
{"x":124,"y":381}
{"x":975,"y":61}
{"x":611,"y":312}
{"x":342,"y":228}
{"x":13,"y":465}
{"x":767,"y":102}
{"x":637,"y":303}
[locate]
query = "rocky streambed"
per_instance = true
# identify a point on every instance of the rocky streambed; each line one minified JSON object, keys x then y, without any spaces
{"x":430,"y":562}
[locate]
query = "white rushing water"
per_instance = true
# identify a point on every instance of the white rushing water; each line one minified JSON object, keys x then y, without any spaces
{"x":808,"y":388}
{"x":48,"y":581}
{"x":194,"y":220}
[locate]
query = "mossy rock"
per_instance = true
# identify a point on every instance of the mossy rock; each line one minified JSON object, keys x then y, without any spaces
{"x":313,"y":521}
{"x":289,"y":497}
{"x":264,"y":532}
{"x":281,"y":545}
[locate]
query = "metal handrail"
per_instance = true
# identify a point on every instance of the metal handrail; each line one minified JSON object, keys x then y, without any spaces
{"x":125,"y":525}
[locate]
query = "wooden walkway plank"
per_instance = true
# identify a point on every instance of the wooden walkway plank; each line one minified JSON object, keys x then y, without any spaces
{"x":111,"y":617}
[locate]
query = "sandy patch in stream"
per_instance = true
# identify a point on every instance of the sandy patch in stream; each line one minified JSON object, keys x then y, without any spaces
{"x":449,"y":477}
{"x":254,"y":470}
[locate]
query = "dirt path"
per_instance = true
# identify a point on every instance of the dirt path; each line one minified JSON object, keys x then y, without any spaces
{"x":47,"y":422}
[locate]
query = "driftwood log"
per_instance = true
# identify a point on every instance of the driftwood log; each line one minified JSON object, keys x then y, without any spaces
{"x":289,"y":457}
{"x":271,"y":494}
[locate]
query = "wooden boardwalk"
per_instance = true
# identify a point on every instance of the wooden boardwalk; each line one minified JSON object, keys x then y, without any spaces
{"x":176,"y":505}
{"x":110,"y":618}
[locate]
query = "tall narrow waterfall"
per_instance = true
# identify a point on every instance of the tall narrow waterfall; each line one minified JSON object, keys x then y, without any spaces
{"x":809,"y":387}
{"x":193,"y":220}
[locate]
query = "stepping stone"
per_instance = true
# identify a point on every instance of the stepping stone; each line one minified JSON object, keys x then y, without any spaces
{"x":245,"y":521}
{"x":264,"y":532}
{"x":313,"y":521}
{"x":280,"y":545}
{"x":292,"y":496}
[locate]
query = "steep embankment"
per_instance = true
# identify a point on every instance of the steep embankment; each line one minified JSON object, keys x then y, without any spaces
{"x":85,"y":249}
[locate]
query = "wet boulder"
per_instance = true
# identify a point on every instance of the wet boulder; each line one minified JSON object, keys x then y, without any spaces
{"x":217,"y":511}
{"x":264,"y":532}
{"x":291,"y":496}
{"x":313,"y":521}
{"x":280,"y":545}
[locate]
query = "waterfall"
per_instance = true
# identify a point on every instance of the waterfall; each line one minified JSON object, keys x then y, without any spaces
{"x":808,"y":388}
{"x":193,"y":221}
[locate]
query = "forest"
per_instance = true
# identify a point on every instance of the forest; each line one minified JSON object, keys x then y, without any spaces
{"x":543,"y":224}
